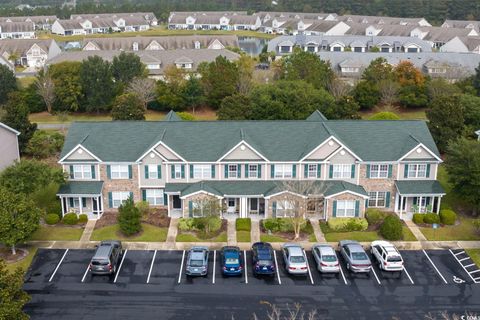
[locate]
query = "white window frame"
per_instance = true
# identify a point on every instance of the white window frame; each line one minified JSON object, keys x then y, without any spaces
{"x":232,"y":171}
{"x":345,"y":209}
{"x":377,"y":199}
{"x":283,"y":171}
{"x":417,"y":170}
{"x":379,"y":171}
{"x":253,"y":173}
{"x":154,"y":197}
{"x":76,"y":203}
{"x":342,"y":171}
{"x":312,"y":170}
{"x":152,"y":171}
{"x":178,"y":171}
{"x":202,"y":171}
{"x":284,"y":208}
{"x":81,"y":172}
{"x":118,"y":197}
{"x":119,"y":171}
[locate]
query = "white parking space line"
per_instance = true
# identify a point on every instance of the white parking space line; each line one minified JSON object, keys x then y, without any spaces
{"x":214,"y":264}
{"x":463,"y":259}
{"x":245,"y":265}
{"x":375,"y":274}
{"x":434,"y":266}
{"x":86,"y":271}
{"x":276,"y":267}
{"x":151,"y":266}
{"x":458,"y":253}
{"x":58,"y":266}
{"x":475,"y":271}
{"x":408,"y":275}
{"x":464,"y":268}
{"x":308,"y":267}
{"x":120,"y":267}
{"x":181,"y":267}
{"x":341,"y":270}
{"x":470,"y":265}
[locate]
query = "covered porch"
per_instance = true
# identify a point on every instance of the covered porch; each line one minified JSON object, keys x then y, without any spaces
{"x":417,"y":197}
{"x":82,"y":197}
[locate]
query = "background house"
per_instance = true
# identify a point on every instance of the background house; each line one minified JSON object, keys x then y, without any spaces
{"x":17,"y":30}
{"x":30,"y":52}
{"x":9,"y":151}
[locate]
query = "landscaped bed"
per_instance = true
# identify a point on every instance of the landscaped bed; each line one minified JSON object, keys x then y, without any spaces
{"x":57,"y":233}
{"x":361,"y":236}
{"x":22,"y":259}
{"x":156,"y":217}
{"x":193,"y":230}
{"x":149,"y":233}
{"x":281,"y":230}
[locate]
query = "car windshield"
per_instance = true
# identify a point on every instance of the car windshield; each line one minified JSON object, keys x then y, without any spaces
{"x":196,"y":263}
{"x":100,"y":262}
{"x":359,"y":256}
{"x":329,"y":258}
{"x":297,"y":259}
{"x":265,"y":262}
{"x":231,"y":261}
{"x":394,"y":259}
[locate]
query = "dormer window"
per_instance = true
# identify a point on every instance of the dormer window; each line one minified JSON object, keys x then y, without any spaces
{"x":135,"y":46}
{"x":197,"y":44}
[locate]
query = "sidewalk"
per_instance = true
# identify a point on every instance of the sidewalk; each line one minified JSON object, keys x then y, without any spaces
{"x":87,"y":232}
{"x":172,"y":232}
{"x":416,"y":232}
{"x":231,"y":233}
{"x":255,"y":232}
{"x":317,"y":231}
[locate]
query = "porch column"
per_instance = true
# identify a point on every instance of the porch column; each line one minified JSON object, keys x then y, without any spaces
{"x":243,"y":207}
{"x":401,"y":206}
{"x":420,"y":203}
{"x":80,"y":204}
{"x":63,"y":206}
{"x":438,"y":204}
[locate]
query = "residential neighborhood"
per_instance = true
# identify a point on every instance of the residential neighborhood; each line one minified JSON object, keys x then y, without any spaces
{"x":239,"y":160}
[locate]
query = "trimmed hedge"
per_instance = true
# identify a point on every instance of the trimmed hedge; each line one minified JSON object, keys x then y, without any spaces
{"x":52,"y":218}
{"x":70,"y":218}
{"x":418,"y":218}
{"x":347,"y":224}
{"x":448,"y":216}
{"x":431,"y":218}
{"x":243,"y":224}
{"x":375,"y":216}
{"x":391,"y":228}
{"x":83,"y":218}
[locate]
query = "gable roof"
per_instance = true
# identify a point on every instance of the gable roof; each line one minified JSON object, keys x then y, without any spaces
{"x":172,"y":116}
{"x":3,"y":125}
{"x":317,"y":116}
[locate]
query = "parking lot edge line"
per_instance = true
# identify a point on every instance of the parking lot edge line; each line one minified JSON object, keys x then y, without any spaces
{"x":465,"y":269}
{"x":308,"y":267}
{"x":181,"y":267}
{"x":436,"y":269}
{"x":214,"y":263}
{"x":245,"y":265}
{"x":58,"y":266}
{"x":120,"y":267}
{"x":151,"y":266}
{"x":376,"y":277}
{"x":408,"y":275}
{"x":276,"y":267}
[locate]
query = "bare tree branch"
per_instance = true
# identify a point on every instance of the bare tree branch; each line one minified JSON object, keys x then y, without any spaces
{"x":46,"y":89}
{"x":144,"y":89}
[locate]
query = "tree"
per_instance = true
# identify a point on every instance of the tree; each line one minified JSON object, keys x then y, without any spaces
{"x":475,"y":82}
{"x":174,"y":76}
{"x":167,"y":97}
{"x":29,"y":176}
{"x":128,"y":107}
{"x":96,"y":73}
{"x":32,"y":99}
{"x":12,"y":296}
{"x":129,"y":218}
{"x":219,"y":80}
{"x":413,"y":96}
{"x":45,"y":144}
{"x":209,"y":208}
{"x":45,"y":88}
{"x":8,"y":83}
{"x":463,"y":166}
{"x":307,"y":66}
{"x":388,"y":90}
{"x":16,"y":117}
{"x":126,"y":67}
{"x":144,"y":89}
{"x":440,"y":87}
{"x":19,"y":218}
{"x":246,"y":66}
{"x":445,"y":116}
{"x":407,"y":74}
{"x":366,"y":94}
{"x":236,"y":107}
{"x":471,"y":113}
{"x":379,"y":69}
{"x":339,"y":88}
{"x":68,"y":86}
{"x":192,"y":93}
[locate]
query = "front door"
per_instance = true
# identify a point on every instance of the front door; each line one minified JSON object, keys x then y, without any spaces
{"x":177,"y":203}
{"x":231,"y":205}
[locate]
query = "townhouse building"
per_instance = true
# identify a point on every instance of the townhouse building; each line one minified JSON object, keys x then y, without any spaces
{"x":9,"y":150}
{"x":17,"y":30}
{"x":248,"y":165}
{"x":213,"y":21}
{"x":30,"y":52}
{"x":40,"y":22}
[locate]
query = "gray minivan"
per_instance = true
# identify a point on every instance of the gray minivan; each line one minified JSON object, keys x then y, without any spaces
{"x":106,"y":258}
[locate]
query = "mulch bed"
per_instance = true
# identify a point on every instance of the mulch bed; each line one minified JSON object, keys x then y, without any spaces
{"x":223,"y":228}
{"x":304,"y":236}
{"x":6,"y":254}
{"x":157,"y":217}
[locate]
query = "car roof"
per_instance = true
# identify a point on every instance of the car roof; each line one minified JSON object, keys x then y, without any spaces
{"x":295,"y":250}
{"x":197,"y":255}
{"x":355,"y":247}
{"x":103,"y":252}
{"x":326,"y":249}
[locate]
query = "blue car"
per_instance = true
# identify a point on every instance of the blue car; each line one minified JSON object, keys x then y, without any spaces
{"x":263,"y":259}
{"x":231,"y":261}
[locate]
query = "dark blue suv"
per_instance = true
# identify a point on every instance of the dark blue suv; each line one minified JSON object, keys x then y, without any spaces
{"x":231,"y":261}
{"x":263,"y":259}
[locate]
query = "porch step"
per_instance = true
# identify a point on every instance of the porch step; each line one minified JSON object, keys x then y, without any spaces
{"x":231,"y":233}
{"x":87,"y":232}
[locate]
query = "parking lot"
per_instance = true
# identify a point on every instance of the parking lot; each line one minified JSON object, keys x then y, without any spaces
{"x":431,"y":267}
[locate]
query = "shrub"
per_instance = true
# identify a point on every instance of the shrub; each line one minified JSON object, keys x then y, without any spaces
{"x":347,"y":224}
{"x":144,"y":207}
{"x":185,"y":224}
{"x":270,"y":224}
{"x":391,"y":228}
{"x":384,"y":116}
{"x":129,"y":218}
{"x":243,"y":224}
{"x":82,"y":218}
{"x":70,"y":218}
{"x":448,"y":217}
{"x":418,"y":218}
{"x":52,"y":218}
{"x":431,"y":218}
{"x":476,"y":225}
{"x":375,"y":216}
{"x":44,"y":144}
{"x":278,"y":224}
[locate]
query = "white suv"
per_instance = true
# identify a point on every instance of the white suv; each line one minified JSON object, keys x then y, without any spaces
{"x":387,"y":256}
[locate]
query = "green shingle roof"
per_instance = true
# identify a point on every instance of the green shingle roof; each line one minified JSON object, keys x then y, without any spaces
{"x":82,"y":187}
{"x":257,"y":188}
{"x":126,"y":141}
{"x":172,"y":116}
{"x":419,"y":187}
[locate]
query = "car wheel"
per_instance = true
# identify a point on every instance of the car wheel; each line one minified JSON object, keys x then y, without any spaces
{"x":380,"y":266}
{"x":348,"y":266}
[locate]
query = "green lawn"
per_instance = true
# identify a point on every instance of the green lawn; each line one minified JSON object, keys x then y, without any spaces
{"x":361,"y":236}
{"x":24,"y":263}
{"x":272,"y":238}
{"x":188,"y":237}
{"x":463,"y":231}
{"x":243,"y":236}
{"x":150,"y":234}
{"x":57,"y":233}
{"x":24,"y":82}
{"x":475,"y":255}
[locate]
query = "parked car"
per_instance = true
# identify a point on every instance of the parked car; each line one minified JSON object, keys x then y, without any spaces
{"x":295,"y":259}
{"x":106,"y":259}
{"x":355,"y":256}
{"x":263,"y":259}
{"x":231,"y":259}
{"x":325,"y":258}
{"x":387,"y":256}
{"x":197,"y":261}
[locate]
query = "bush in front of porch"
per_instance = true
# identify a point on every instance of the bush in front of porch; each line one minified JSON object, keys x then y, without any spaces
{"x":149,"y":233}
{"x":204,"y":229}
{"x":282,"y":230}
